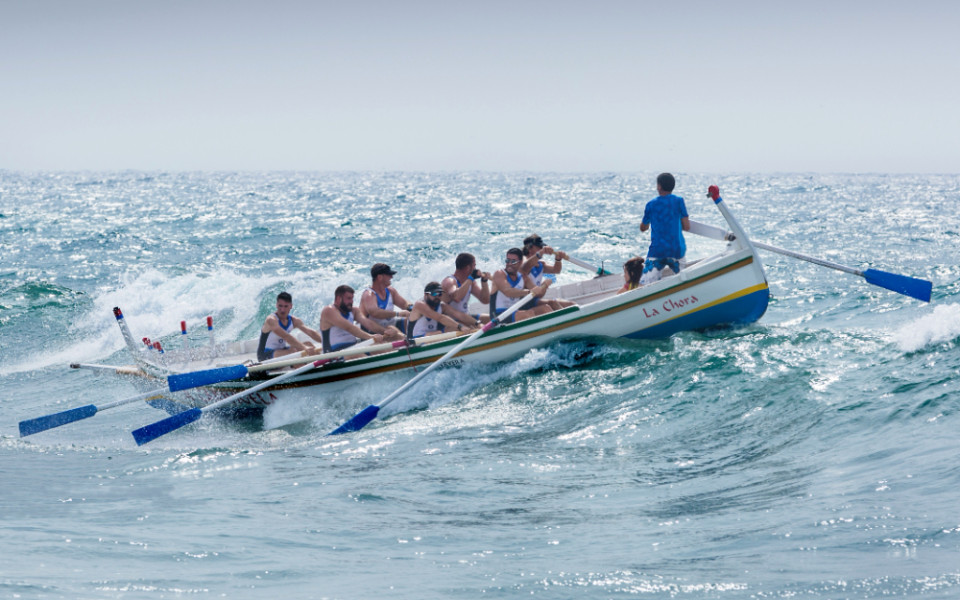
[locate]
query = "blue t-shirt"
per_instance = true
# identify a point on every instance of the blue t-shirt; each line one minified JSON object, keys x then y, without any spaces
{"x":663,"y":214}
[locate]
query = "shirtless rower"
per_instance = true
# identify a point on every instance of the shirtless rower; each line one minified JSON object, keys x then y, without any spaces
{"x":510,"y":285}
{"x":379,"y":302}
{"x":533,"y":251}
{"x":339,"y":325}
{"x":462,"y":284}
{"x":276,"y":337}
{"x":430,"y":315}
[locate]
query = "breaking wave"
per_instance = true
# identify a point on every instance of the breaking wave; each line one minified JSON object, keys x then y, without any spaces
{"x":940,"y":326}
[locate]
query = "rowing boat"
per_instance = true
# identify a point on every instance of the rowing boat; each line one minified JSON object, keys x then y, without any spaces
{"x":728,"y":288}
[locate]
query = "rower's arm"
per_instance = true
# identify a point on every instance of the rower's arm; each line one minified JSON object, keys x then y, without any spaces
{"x":282,"y":334}
{"x":369,"y":303}
{"x":313,"y":333}
{"x":529,"y":263}
{"x":459,"y":315}
{"x":500,"y":280}
{"x":481,"y":289}
{"x":456,"y":291}
{"x":400,"y":303}
{"x":331,"y":317}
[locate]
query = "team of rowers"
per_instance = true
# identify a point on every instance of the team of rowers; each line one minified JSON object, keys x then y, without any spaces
{"x":383,"y":315}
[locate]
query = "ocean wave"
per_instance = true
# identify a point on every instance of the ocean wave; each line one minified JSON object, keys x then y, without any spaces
{"x":938,"y":327}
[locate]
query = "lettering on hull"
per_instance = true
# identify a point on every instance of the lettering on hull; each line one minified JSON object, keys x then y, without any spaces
{"x":670,"y":305}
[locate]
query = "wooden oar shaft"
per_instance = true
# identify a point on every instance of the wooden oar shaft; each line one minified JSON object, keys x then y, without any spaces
{"x":144,"y":396}
{"x":920,"y":289}
{"x":810,"y":259}
{"x":585,"y":265}
{"x":128,"y":370}
{"x":717,"y":233}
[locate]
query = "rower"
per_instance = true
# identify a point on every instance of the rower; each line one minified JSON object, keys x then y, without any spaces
{"x":276,"y":338}
{"x":533,"y":251}
{"x":338,"y":324}
{"x":378,"y":303}
{"x":510,"y":285}
{"x":431,"y":315}
{"x":463,"y":283}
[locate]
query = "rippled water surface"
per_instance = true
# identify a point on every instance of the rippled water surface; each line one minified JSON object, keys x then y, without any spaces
{"x":813,"y":454}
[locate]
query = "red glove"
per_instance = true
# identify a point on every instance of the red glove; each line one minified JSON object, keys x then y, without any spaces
{"x":714,"y":192}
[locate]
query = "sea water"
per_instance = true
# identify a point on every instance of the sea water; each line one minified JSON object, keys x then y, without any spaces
{"x":813,"y":454}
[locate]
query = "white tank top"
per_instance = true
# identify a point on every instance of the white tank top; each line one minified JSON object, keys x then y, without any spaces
{"x":385,"y":304}
{"x":536,"y":273}
{"x":504,"y":301}
{"x":462,"y":305}
{"x":274,"y":341}
{"x":340,"y":336}
{"x":425,"y":325}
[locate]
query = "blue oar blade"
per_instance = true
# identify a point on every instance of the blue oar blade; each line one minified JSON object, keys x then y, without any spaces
{"x":186,"y":381}
{"x":31,"y":426}
{"x":902,"y":284}
{"x":359,"y":420}
{"x":155,"y":430}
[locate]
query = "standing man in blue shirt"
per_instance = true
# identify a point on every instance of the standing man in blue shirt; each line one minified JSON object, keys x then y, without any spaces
{"x":667,"y":215}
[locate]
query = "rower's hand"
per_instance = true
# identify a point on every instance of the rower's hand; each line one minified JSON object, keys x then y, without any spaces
{"x":561,"y":255}
{"x":311,"y":351}
{"x":377,"y":338}
{"x":547,"y":250}
{"x":713,"y":192}
{"x":485,"y":275}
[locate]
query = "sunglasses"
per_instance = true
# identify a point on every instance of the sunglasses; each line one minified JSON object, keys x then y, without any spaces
{"x":434,"y":294}
{"x":512,"y":261}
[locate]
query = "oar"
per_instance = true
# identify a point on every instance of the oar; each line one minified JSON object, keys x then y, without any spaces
{"x":585,"y":265}
{"x":185,"y":381}
{"x":360,"y":420}
{"x":129,"y":370}
{"x":31,"y":426}
{"x":920,"y":289}
{"x":165,"y":426}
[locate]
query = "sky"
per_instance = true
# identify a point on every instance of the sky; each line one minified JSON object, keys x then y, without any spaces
{"x":557,"y":86}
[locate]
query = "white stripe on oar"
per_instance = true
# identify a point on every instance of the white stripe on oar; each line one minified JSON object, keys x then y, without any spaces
{"x":360,"y":420}
{"x":920,"y":289}
{"x":31,"y":426}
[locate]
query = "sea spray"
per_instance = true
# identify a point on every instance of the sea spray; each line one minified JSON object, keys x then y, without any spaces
{"x":942,"y":325}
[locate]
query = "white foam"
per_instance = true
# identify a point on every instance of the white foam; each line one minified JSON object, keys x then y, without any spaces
{"x":154,"y":303}
{"x":942,"y":325}
{"x":327,"y":409}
